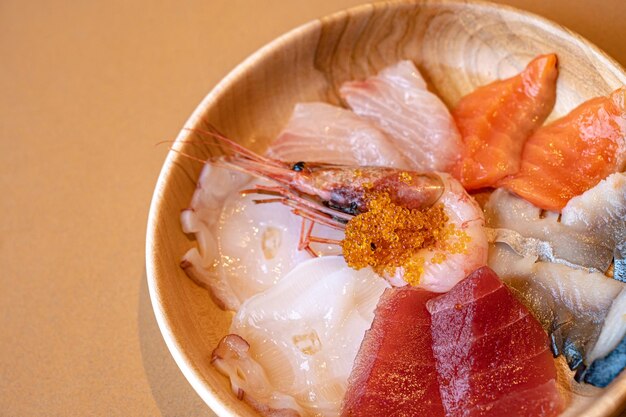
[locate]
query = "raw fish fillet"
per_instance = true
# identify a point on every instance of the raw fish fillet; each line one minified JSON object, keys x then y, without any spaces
{"x":492,"y":355}
{"x":496,"y":119}
{"x":399,"y":104}
{"x":569,"y":156}
{"x":601,"y":211}
{"x":394,"y":372}
{"x":581,"y":240}
{"x":321,"y":132}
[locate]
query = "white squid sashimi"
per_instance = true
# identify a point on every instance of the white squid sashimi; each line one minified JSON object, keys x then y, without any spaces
{"x":200,"y":219}
{"x":244,"y":247}
{"x":323,"y":133}
{"x":302,"y":335}
{"x":399,"y":103}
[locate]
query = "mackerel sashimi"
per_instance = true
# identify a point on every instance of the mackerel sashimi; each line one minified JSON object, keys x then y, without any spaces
{"x":398,"y":102}
{"x":492,"y":355}
{"x":394,"y":373}
{"x":495,"y":120}
{"x":569,"y":156}
{"x":321,"y":132}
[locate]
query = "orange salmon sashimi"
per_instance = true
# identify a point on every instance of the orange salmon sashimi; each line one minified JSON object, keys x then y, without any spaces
{"x":496,"y":119}
{"x":571,"y":155}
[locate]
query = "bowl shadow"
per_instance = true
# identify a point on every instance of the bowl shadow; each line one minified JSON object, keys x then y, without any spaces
{"x":173,"y":395}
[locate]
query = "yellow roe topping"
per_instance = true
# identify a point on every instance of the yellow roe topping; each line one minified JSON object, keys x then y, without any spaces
{"x":388,"y":236}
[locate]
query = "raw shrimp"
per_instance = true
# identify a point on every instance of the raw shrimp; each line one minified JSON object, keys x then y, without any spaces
{"x":432,"y":209}
{"x":467,"y":248}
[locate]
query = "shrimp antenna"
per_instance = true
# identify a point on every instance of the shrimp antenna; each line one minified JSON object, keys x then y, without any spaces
{"x":236,"y":148}
{"x":193,"y":158}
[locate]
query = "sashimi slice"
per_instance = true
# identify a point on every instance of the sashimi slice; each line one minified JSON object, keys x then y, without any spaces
{"x":489,"y":351}
{"x":394,"y":372}
{"x":321,"y":132}
{"x":300,"y":337}
{"x":398,"y":103}
{"x":569,"y":156}
{"x":496,"y":119}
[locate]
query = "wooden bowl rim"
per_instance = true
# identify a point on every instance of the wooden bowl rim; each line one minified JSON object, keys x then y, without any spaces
{"x":608,"y":404}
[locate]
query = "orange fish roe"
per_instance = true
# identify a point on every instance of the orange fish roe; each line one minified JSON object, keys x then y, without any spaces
{"x":388,"y":236}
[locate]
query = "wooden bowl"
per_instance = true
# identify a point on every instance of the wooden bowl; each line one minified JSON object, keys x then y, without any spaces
{"x":457,"y":45}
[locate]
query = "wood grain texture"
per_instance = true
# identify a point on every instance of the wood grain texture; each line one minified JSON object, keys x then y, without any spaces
{"x":457,"y":45}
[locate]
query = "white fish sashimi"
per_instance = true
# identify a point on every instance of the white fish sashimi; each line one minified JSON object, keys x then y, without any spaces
{"x":243,"y":247}
{"x":304,"y":334}
{"x":321,"y":132}
{"x":577,"y":246}
{"x":600,"y":211}
{"x":399,"y":103}
{"x":613,"y":330}
{"x":571,"y":304}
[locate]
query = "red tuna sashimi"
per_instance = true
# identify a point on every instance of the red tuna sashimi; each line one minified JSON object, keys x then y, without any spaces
{"x":496,"y":119}
{"x":571,"y":155}
{"x":492,"y":355}
{"x":394,"y":372}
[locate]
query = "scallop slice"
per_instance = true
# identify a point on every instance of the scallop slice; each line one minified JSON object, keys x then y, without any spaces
{"x":303,"y":335}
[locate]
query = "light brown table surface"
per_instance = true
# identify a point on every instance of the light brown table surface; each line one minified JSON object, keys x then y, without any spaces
{"x":86,"y":91}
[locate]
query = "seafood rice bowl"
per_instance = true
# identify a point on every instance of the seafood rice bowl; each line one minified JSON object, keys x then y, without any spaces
{"x":401,"y":231}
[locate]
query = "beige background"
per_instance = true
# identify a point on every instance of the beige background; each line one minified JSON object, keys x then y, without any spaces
{"x":86,"y":91}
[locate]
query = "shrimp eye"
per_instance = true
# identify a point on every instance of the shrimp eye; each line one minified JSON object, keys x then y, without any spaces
{"x":372,"y":246}
{"x":298,"y":166}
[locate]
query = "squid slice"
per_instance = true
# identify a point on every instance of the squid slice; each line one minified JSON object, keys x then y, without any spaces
{"x":303,"y":336}
{"x":243,"y":247}
{"x":200,"y":263}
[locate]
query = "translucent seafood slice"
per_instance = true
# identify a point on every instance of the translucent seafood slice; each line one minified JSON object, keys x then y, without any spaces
{"x":200,"y":263}
{"x":259,"y":243}
{"x":394,"y":372}
{"x":243,"y":247}
{"x":569,"y":156}
{"x":492,"y":355}
{"x":496,"y":119}
{"x":398,"y":102}
{"x":303,"y":335}
{"x":321,"y":132}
